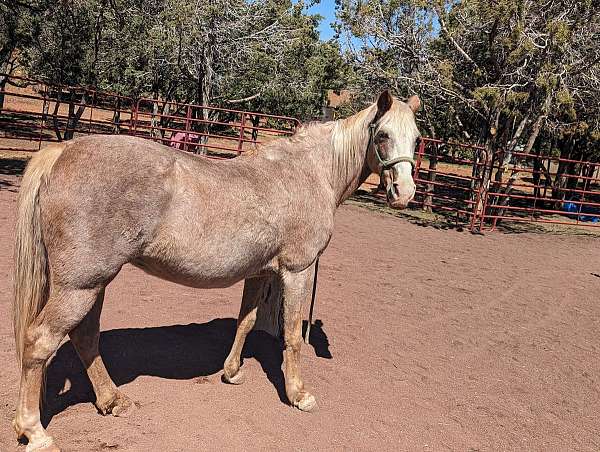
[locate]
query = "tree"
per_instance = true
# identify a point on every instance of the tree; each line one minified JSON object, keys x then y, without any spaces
{"x":263,"y":54}
{"x":290,"y":72}
{"x":499,"y":73}
{"x":15,"y":18}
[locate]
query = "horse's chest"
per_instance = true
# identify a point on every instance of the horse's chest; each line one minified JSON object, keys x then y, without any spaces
{"x":304,"y":242}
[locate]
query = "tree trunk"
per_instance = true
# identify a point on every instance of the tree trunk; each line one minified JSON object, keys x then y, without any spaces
{"x":5,"y":70}
{"x":55,"y":123}
{"x":165,"y":121}
{"x":433,"y":161}
{"x":202,"y":114}
{"x":3,"y":80}
{"x":508,"y":151}
{"x":563,"y":167}
{"x":116,"y":120}
{"x":154,"y":122}
{"x":485,"y":156}
{"x":74,"y":116}
{"x":255,"y":124}
{"x":537,"y":173}
{"x":535,"y":131}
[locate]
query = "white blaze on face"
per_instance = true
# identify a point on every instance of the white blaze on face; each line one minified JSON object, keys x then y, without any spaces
{"x":399,"y":132}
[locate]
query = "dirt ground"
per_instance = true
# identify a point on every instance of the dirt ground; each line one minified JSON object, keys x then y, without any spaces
{"x":427,"y":339}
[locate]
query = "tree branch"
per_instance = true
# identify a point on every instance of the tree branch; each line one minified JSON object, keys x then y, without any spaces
{"x":452,"y":40}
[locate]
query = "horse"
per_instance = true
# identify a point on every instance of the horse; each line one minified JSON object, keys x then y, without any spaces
{"x":93,"y":204}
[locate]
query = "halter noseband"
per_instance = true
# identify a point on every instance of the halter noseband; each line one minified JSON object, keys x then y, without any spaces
{"x":387,"y":164}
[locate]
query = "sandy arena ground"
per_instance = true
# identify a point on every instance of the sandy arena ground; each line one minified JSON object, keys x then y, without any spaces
{"x":429,"y":340}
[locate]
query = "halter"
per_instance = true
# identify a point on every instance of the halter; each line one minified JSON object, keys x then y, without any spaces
{"x":386,"y":164}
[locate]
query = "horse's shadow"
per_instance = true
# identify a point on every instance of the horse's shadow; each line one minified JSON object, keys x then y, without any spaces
{"x":178,"y":352}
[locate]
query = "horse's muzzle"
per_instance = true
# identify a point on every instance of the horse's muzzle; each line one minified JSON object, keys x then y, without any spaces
{"x":398,"y":198}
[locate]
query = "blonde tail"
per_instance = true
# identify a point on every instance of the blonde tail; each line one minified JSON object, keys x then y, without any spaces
{"x":31,"y":265}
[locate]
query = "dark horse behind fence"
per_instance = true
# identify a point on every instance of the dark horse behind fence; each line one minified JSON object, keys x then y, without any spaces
{"x":93,"y":204}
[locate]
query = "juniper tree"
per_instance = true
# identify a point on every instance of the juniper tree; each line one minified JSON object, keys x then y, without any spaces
{"x":500,"y":73}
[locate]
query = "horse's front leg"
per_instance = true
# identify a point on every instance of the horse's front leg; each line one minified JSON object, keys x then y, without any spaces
{"x":296,"y":291}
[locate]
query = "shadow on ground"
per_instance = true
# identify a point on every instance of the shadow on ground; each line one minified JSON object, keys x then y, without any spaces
{"x":443,"y":220}
{"x":450,"y":220}
{"x":12,"y":167}
{"x":179,"y":352}
{"x":9,"y":168}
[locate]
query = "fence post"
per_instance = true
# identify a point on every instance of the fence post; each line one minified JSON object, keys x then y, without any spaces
{"x":134,"y":116}
{"x":241,"y":139}
{"x":419,"y":161}
{"x":188,"y":117}
{"x":431,"y":177}
{"x":44,"y":116}
{"x":420,"y":153}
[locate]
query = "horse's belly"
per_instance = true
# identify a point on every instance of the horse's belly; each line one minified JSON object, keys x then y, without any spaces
{"x":215,"y":265}
{"x":192,"y":278}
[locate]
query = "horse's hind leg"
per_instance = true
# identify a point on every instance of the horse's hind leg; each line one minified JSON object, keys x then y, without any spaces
{"x":231,"y":369}
{"x":84,"y":338}
{"x":63,"y":311}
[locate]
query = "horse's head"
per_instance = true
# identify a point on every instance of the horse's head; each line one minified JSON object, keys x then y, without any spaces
{"x":392,"y":137}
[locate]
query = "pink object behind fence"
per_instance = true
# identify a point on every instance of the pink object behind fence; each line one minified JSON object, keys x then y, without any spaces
{"x":179,"y":139}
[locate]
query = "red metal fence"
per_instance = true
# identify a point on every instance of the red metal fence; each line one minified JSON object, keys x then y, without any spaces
{"x":204,"y":129}
{"x":530,"y":188}
{"x":464,"y":184}
{"x":460,"y":181}
{"x":33,"y":113}
{"x":448,"y":177}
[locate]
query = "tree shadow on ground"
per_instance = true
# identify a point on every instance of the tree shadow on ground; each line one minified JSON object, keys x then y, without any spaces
{"x":179,"y":352}
{"x":10,"y":168}
{"x":437,"y":220}
{"x":450,"y":220}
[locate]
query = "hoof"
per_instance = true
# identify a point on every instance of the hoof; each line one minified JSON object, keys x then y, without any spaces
{"x":236,"y":379}
{"x":119,"y":405}
{"x":46,"y":445}
{"x":306,"y":402}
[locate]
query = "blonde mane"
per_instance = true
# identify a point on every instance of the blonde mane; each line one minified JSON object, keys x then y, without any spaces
{"x":349,"y":140}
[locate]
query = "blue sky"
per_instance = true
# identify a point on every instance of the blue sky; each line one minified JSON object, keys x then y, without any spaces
{"x":325,"y":8}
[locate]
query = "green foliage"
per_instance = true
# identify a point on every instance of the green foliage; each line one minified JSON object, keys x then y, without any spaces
{"x":213,"y":52}
{"x":521,"y":68}
{"x":528,"y":71}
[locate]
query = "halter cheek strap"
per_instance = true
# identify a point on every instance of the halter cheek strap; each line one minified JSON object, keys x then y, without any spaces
{"x":387,"y":164}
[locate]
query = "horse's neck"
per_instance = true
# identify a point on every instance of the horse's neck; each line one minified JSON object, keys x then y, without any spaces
{"x":321,"y":150}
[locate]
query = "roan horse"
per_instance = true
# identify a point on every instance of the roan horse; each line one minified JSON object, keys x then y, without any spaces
{"x":93,"y":204}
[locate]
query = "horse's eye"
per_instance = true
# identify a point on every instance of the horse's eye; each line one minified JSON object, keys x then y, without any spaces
{"x":382,"y":136}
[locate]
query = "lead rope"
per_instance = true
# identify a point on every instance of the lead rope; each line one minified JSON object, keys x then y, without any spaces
{"x":312,"y":303}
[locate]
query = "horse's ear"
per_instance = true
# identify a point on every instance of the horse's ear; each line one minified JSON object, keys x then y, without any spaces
{"x":384,"y":103}
{"x":414,"y":103}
